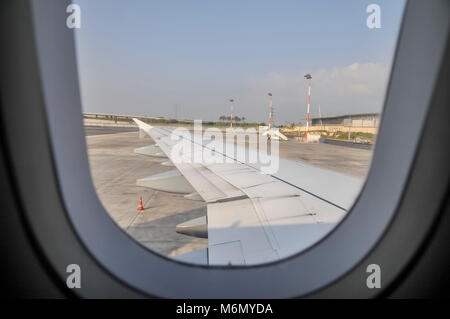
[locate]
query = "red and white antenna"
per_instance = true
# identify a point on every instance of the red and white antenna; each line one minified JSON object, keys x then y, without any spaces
{"x":308,"y":77}
{"x":231,"y":113}
{"x":270,"y":111}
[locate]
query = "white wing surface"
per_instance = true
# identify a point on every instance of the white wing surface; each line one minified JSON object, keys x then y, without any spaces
{"x":254,"y":217}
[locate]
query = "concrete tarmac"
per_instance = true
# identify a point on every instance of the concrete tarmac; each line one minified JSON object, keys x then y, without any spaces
{"x":115,"y":168}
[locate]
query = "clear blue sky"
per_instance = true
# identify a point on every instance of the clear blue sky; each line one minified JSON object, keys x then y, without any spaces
{"x":143,"y":57}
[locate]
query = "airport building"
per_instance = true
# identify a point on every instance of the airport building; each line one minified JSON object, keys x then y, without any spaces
{"x":356,"y":120}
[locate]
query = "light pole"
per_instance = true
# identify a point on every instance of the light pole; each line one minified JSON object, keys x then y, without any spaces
{"x":308,"y":77}
{"x":231,"y":113}
{"x":270,"y":111}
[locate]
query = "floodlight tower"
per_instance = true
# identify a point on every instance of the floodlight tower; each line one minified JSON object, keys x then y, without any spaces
{"x":270,"y":111}
{"x":308,"y":77}
{"x":231,"y":113}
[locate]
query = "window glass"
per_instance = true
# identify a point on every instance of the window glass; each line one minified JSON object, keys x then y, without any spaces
{"x":255,"y":120}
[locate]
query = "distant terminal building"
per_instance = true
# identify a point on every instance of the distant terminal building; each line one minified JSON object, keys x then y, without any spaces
{"x":356,"y":120}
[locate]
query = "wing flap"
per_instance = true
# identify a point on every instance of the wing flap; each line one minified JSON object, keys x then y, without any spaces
{"x":237,"y":221}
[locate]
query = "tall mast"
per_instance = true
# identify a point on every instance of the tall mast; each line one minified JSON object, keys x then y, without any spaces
{"x":231,"y":113}
{"x":270,"y":110}
{"x":308,"y":77}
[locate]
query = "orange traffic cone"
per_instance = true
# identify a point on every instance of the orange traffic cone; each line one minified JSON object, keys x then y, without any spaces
{"x":140,"y":204}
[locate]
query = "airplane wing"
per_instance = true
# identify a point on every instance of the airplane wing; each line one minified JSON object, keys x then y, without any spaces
{"x":254,"y":217}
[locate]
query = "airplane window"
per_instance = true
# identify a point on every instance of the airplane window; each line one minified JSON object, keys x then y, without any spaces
{"x":228,"y":132}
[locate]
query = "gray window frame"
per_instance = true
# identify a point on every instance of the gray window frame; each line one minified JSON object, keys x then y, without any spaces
{"x":421,"y":43}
